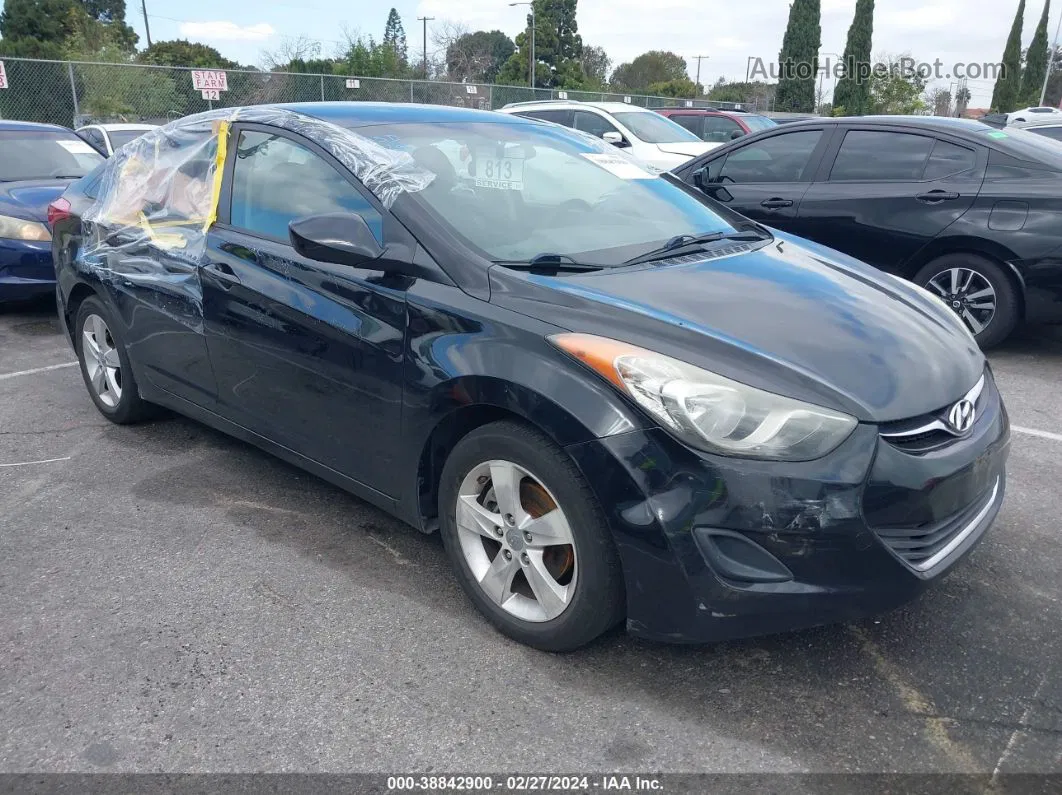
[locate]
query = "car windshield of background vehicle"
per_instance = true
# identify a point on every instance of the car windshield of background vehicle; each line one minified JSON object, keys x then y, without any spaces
{"x":654,"y":128}
{"x":514,"y":191}
{"x":30,"y":154}
{"x":120,"y":138}
{"x":756,"y":123}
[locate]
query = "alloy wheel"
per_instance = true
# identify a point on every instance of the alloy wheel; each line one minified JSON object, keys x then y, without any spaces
{"x":516,"y":541}
{"x":102,"y":363}
{"x":969,"y":294}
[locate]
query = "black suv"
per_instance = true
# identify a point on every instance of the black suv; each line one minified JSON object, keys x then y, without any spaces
{"x":967,"y":211}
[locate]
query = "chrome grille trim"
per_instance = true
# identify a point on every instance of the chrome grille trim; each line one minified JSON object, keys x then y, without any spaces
{"x":962,"y":535}
{"x":935,"y":424}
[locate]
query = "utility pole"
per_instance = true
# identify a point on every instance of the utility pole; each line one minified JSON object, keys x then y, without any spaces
{"x":530,"y":5}
{"x":147,"y":27}
{"x":425,"y":20}
{"x":698,"y":81}
{"x":1050,"y":62}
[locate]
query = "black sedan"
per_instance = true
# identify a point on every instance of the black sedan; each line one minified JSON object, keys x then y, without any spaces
{"x":613,"y":398}
{"x":967,"y":211}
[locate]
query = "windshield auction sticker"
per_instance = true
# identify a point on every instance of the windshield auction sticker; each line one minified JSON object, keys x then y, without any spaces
{"x":620,"y":167}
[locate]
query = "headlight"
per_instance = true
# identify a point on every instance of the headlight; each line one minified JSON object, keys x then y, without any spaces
{"x":709,"y":411}
{"x":21,"y":229}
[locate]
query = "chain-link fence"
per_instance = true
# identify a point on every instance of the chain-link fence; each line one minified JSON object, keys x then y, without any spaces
{"x":73,"y":93}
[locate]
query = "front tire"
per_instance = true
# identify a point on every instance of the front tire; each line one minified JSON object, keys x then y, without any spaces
{"x":527,"y":539}
{"x":978,"y":290}
{"x":105,"y":365}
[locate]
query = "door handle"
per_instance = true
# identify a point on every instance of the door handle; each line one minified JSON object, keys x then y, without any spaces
{"x":935,"y":196}
{"x":775,"y":204}
{"x":222,"y":273}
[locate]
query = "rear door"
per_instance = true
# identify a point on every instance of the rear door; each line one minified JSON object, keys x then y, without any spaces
{"x":765,"y":179}
{"x":307,"y":354}
{"x":883,"y":194}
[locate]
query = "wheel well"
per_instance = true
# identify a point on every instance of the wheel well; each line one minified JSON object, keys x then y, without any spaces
{"x":80,"y":292}
{"x":437,"y":449}
{"x":982,"y":248}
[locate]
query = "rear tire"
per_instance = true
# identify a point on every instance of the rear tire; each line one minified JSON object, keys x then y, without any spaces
{"x":105,"y":365}
{"x":552,"y":596}
{"x":968,"y":283}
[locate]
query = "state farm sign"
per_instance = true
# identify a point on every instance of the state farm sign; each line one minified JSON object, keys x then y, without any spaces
{"x":209,"y":80}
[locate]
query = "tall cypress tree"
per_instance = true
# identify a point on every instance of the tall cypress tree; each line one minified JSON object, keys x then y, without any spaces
{"x":853,"y":89}
{"x":1032,"y":78}
{"x":799,"y":58}
{"x":1008,"y":84}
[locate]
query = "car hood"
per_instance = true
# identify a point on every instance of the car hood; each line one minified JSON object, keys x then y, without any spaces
{"x":30,"y":198}
{"x":688,"y":148}
{"x":791,"y":317}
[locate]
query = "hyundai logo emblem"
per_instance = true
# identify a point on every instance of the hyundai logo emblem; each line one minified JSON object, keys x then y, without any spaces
{"x":962,"y":416}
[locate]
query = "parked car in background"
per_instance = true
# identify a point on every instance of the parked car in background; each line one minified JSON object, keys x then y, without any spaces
{"x":644,"y":134}
{"x":966,"y":211}
{"x":1052,"y":130}
{"x":37,"y":162}
{"x":790,"y":119}
{"x":717,"y":126}
{"x":614,"y":398}
{"x":106,"y":138}
{"x":1030,"y":114}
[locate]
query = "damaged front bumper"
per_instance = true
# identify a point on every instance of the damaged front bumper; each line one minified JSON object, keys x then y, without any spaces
{"x":715,"y":548}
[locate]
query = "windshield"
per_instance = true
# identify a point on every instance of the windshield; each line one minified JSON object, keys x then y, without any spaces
{"x":515,"y":190}
{"x":120,"y":138}
{"x":654,"y":128}
{"x":757,"y":123}
{"x":43,"y":154}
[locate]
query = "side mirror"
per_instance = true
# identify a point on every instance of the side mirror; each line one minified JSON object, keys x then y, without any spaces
{"x":343,"y":239}
{"x":716,"y":190}
{"x":614,"y":138}
{"x":736,"y":134}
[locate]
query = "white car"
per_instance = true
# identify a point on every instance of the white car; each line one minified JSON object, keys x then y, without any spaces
{"x":107,"y":138}
{"x":646,"y":135}
{"x":1033,"y":114}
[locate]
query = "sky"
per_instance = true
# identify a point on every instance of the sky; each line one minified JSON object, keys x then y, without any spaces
{"x":729,"y":33}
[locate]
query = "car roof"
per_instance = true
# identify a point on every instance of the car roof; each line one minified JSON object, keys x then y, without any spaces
{"x":608,"y":107}
{"x":122,"y":127}
{"x":31,"y":125}
{"x":709,"y":110}
{"x":942,"y":123}
{"x":365,"y":114}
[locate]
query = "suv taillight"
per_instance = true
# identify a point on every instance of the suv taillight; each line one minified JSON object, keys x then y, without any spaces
{"x":58,"y":210}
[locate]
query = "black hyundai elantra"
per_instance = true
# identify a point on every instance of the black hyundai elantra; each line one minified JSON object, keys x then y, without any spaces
{"x":615,"y":399}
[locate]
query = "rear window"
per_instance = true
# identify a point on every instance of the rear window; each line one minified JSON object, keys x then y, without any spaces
{"x":1024,"y":145}
{"x":120,"y":138}
{"x":44,"y":154}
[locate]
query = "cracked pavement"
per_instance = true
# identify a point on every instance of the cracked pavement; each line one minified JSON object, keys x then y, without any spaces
{"x":174,"y":600}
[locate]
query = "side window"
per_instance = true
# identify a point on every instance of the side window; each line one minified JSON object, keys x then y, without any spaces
{"x":780,"y":158}
{"x":556,"y":116}
{"x":275,"y":181}
{"x":948,"y":159}
{"x":1054,"y":133}
{"x":868,"y":156}
{"x":692,"y":122}
{"x":592,"y":123}
{"x":720,"y":129}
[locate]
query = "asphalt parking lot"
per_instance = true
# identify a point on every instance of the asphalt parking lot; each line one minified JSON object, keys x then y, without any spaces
{"x":174,"y":600}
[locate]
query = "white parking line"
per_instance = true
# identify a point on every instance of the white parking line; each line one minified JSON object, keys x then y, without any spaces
{"x":27,"y":463}
{"x":1056,"y":437}
{"x":5,"y":376}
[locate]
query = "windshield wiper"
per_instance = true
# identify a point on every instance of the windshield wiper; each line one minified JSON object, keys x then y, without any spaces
{"x":688,"y":241}
{"x":551,"y":263}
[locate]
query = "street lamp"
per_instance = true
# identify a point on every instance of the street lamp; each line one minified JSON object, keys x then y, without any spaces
{"x":532,"y":59}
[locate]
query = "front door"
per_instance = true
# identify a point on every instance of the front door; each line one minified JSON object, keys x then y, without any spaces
{"x":307,"y":354}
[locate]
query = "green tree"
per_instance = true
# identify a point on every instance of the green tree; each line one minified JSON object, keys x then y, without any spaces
{"x":596,"y":65}
{"x":681,"y":87}
{"x":558,"y":48}
{"x":756,"y":93}
{"x":44,"y":21}
{"x":655,"y":66}
{"x":853,"y":89}
{"x":367,"y":57}
{"x":1032,"y":77}
{"x":799,"y":57}
{"x":896,"y":88}
{"x":181,"y":52}
{"x":1008,"y":84}
{"x":395,"y":36}
{"x":478,"y":57}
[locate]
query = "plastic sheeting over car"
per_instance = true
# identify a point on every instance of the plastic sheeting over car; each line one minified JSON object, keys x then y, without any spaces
{"x":158,"y":197}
